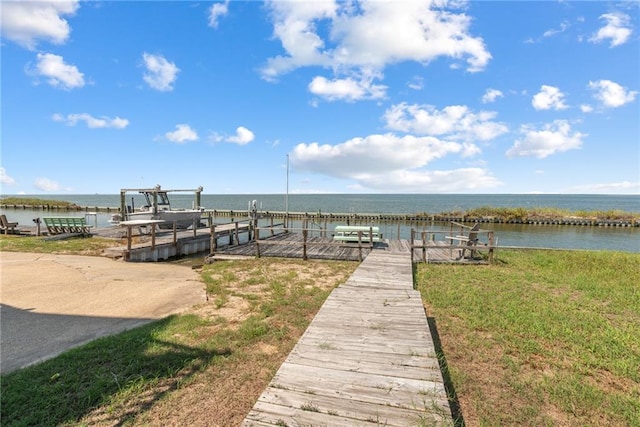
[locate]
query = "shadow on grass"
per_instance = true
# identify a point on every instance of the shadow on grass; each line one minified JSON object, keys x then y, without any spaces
{"x":112,"y":378}
{"x":454,"y":404}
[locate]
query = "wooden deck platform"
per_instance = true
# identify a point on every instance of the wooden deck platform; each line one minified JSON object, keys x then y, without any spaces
{"x":290,"y":245}
{"x":165,"y":245}
{"x":367,"y":358}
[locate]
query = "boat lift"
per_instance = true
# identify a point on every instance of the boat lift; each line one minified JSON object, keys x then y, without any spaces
{"x":154,"y":192}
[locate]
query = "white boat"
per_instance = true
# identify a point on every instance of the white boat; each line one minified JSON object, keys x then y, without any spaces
{"x":158,"y":207}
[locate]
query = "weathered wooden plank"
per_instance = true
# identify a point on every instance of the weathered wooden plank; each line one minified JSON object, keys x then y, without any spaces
{"x":389,"y":308}
{"x":397,"y":365}
{"x":358,"y":386}
{"x":356,"y":412}
{"x":367,"y":357}
{"x":305,"y":351}
{"x":274,"y":414}
{"x":369,"y":344}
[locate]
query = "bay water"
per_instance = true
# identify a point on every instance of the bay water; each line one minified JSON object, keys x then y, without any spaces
{"x":546,"y":236}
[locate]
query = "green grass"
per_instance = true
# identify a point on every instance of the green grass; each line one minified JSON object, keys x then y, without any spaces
{"x":538,"y":338}
{"x":75,"y":245}
{"x":147,"y":360}
{"x":523,"y":214}
{"x":119,"y":380}
{"x":541,"y":338}
{"x":31,"y":201}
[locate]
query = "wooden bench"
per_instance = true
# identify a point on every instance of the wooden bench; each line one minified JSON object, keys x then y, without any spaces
{"x":6,"y":226}
{"x":67,"y":225}
{"x":470,"y":240}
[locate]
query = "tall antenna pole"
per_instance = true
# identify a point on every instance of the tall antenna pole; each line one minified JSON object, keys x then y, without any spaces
{"x":286,"y":199}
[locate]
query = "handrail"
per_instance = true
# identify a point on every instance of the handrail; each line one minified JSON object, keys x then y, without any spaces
{"x":471,"y":246}
{"x":361,"y":243}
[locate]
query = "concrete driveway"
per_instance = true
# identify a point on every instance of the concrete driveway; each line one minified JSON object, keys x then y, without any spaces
{"x":51,"y":303}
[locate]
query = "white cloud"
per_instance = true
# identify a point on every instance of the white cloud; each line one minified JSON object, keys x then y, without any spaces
{"x":548,"y":98}
{"x":457,"y":180}
{"x":586,"y":108}
{"x":26,"y":22}
{"x":45,"y":184}
{"x":57,"y":73}
{"x":611,"y":94}
{"x":416,"y":83}
{"x":617,"y":29}
{"x":216,"y":11}
{"x":389,"y":162}
{"x":92,"y":122}
{"x":455,"y":122}
{"x":182,"y":134}
{"x":553,"y":138}
{"x":243,"y":136}
{"x":348,"y":89}
{"x":161,"y":74}
{"x":420,"y":31}
{"x":552,"y":32}
{"x":491,"y":95}
{"x":623,"y":187}
{"x":381,"y":153}
{"x":5,"y":178}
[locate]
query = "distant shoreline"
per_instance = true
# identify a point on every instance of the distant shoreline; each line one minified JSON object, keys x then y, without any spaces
{"x":531,"y":216}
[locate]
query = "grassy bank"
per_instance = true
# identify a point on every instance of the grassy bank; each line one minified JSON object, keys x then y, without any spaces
{"x":539,"y":338}
{"x":34,"y":201}
{"x":75,"y":245}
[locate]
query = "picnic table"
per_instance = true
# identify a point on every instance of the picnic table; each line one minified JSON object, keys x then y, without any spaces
{"x":67,"y":225}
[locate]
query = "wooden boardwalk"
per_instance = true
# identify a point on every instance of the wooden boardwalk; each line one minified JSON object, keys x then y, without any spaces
{"x":367,"y":358}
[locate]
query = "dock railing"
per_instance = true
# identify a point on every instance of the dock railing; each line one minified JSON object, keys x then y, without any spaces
{"x":459,"y":237}
{"x":362,"y":242}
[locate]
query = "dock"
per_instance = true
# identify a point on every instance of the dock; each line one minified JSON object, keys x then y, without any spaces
{"x":147,"y":244}
{"x":367,"y":358}
{"x":234,"y":240}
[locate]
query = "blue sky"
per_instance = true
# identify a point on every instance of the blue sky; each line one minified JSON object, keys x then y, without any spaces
{"x":359,"y":96}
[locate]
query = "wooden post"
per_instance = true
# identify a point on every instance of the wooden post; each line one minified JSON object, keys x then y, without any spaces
{"x":271,"y":225}
{"x":237,"y":234}
{"x":212,"y":241}
{"x":360,"y":245}
{"x":255,"y":226}
{"x":304,"y":243}
{"x":424,"y":246}
{"x":129,"y":238}
{"x":257,"y":242}
{"x":175,"y":234}
{"x":491,"y":243}
{"x":153,"y":236}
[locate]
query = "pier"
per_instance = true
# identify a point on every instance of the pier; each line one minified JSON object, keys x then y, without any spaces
{"x":367,"y":358}
{"x":243,"y":239}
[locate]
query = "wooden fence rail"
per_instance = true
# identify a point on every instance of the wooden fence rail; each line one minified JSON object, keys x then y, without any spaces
{"x":360,"y":244}
{"x":428,"y":239}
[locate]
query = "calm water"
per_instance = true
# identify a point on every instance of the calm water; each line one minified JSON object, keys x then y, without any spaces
{"x":569,"y":237}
